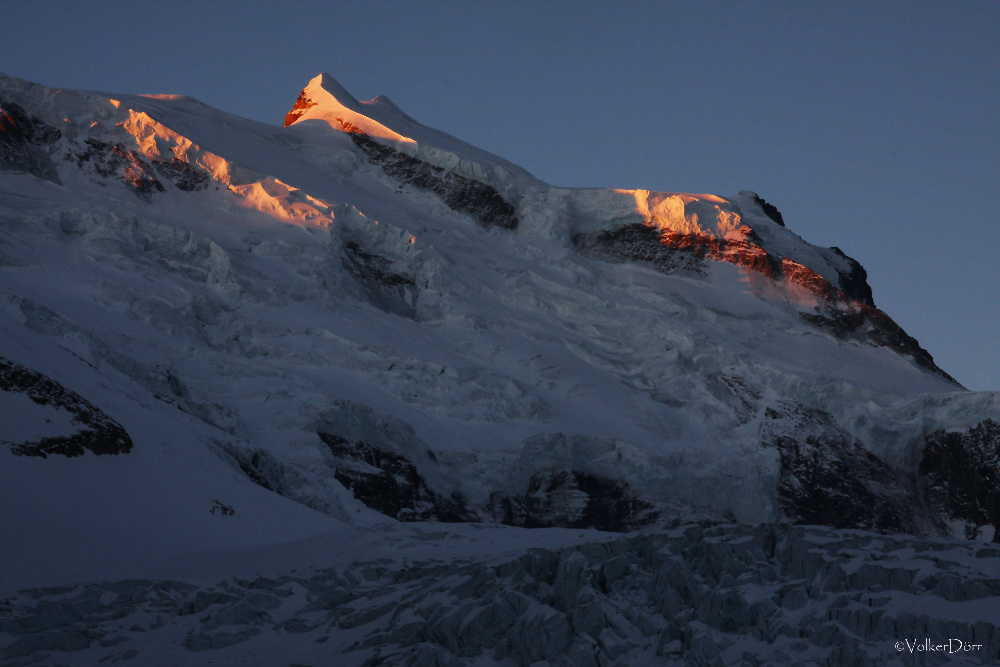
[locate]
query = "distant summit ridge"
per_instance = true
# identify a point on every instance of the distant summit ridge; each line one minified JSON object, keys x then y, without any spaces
{"x":325,"y":99}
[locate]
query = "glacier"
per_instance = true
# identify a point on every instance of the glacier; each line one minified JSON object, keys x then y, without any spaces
{"x":358,"y":332}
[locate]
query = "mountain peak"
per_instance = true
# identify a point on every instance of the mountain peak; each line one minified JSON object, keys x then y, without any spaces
{"x":324,"y":83}
{"x":325,"y":99}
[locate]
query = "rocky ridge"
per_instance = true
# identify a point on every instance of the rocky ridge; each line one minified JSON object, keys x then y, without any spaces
{"x":86,"y":427}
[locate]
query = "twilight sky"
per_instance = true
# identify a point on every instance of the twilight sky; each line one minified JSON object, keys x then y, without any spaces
{"x":874,"y":127}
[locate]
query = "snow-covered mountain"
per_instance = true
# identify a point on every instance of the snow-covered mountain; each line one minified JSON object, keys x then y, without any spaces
{"x":220,"y":338}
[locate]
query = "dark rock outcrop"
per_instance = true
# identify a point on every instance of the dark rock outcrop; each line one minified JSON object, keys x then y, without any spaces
{"x":769,"y":210}
{"x":96,"y":432}
{"x":21,"y":139}
{"x":671,"y":252}
{"x":573,"y":499}
{"x":478,"y":200}
{"x":301,"y":105}
{"x":389,"y":483}
{"x":873,"y":326}
{"x":260,"y":467}
{"x":828,"y":477}
{"x":184,"y":175}
{"x":387,"y":289}
{"x":854,"y":283}
{"x":960,"y":477}
{"x":844,"y":315}
{"x":116,"y":161}
{"x":221,"y":508}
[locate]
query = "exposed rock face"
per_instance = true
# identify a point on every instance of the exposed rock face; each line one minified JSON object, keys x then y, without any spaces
{"x":803,"y":276}
{"x":873,"y":326}
{"x":828,"y":477}
{"x":769,"y":210}
{"x":741,"y":253}
{"x":301,"y":105}
{"x":116,"y":161}
{"x":21,"y":138}
{"x":847,"y":317}
{"x":387,"y":289}
{"x":185,"y":176}
{"x":310,"y":488}
{"x":960,"y":477}
{"x":844,"y":315}
{"x":91,"y":429}
{"x":260,"y":468}
{"x":574,"y":499}
{"x":854,"y":283}
{"x":698,"y":595}
{"x":26,"y":143}
{"x":480,"y":201}
{"x":671,"y":252}
{"x":390,"y":484}
{"x":637,"y":243}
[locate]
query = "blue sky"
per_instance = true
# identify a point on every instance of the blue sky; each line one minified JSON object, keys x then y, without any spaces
{"x":874,"y":127}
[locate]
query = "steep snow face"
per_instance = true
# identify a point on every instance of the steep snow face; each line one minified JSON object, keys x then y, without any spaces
{"x":384,"y":330}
